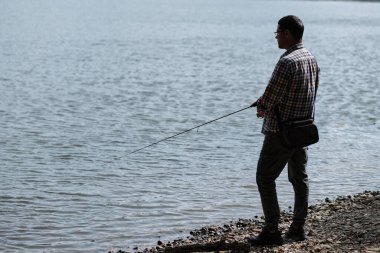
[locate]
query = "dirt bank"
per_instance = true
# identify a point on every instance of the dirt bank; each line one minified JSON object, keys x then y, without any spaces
{"x":347,"y":224}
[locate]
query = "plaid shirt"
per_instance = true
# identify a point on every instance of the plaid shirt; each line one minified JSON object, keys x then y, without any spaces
{"x":292,"y":88}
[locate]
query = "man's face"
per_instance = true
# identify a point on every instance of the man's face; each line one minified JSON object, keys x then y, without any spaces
{"x":281,"y":37}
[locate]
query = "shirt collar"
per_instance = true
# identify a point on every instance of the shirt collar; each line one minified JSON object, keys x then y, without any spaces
{"x":293,"y":48}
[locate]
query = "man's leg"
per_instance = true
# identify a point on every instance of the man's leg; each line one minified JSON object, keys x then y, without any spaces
{"x":299,"y":179}
{"x":273,"y":158}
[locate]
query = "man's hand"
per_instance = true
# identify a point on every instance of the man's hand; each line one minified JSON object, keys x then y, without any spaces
{"x":260,"y":110}
{"x":260,"y":113}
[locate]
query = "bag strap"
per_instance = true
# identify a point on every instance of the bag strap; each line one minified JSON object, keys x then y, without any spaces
{"x":315,"y":92}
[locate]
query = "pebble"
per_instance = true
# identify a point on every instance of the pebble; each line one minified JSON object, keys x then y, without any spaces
{"x":348,"y":224}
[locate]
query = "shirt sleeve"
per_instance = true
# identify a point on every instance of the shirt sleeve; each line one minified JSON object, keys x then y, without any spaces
{"x":277,"y":86}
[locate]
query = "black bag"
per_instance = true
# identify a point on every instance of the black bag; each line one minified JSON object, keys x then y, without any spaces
{"x":297,"y":133}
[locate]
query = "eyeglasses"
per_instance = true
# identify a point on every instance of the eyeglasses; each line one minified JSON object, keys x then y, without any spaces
{"x":276,"y":33}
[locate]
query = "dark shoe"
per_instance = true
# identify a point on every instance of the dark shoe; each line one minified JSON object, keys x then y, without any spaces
{"x":266,"y":238}
{"x":295,"y":234}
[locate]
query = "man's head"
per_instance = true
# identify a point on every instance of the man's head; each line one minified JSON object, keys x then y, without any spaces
{"x":289,"y":31}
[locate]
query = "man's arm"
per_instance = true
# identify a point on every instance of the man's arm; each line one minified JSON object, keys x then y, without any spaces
{"x":277,"y":86}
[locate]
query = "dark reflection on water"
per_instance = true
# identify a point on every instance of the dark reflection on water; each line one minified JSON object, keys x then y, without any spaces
{"x":85,"y":82}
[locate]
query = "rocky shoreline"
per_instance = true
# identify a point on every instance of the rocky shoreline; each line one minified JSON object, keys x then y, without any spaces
{"x":347,"y":224}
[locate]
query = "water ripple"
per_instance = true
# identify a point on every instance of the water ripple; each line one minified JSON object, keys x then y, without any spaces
{"x":84,"y":84}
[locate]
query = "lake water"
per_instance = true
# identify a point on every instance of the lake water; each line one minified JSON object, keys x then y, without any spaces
{"x":85,"y":82}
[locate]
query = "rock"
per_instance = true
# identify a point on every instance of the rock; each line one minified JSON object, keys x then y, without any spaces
{"x":348,"y":224}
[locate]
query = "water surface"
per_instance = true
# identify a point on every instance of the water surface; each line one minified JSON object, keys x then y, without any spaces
{"x":85,"y":82}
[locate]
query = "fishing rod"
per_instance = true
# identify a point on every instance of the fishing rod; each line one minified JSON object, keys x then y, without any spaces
{"x":190,"y":129}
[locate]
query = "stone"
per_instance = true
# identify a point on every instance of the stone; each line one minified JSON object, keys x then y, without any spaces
{"x":348,"y":224}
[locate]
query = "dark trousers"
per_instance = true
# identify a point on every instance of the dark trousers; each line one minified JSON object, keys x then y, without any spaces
{"x":273,"y":158}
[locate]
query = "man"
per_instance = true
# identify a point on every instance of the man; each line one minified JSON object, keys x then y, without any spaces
{"x":291,"y":90}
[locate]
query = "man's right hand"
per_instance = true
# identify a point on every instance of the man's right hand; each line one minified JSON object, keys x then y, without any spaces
{"x":260,"y":113}
{"x":260,"y":110}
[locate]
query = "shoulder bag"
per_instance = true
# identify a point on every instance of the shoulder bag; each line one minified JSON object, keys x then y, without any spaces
{"x":298,"y":133}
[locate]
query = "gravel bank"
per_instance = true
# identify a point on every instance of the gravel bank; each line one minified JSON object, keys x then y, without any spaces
{"x":347,"y":224}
